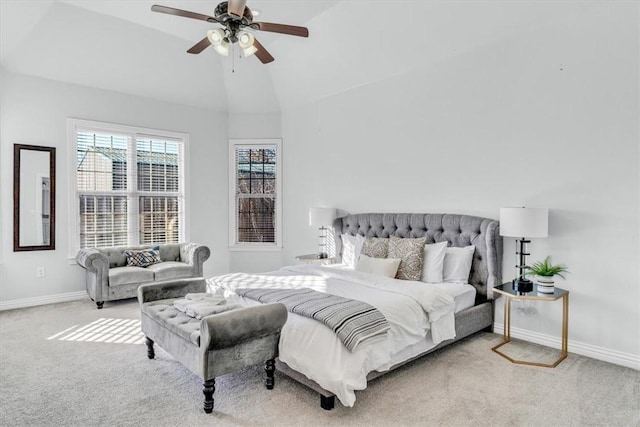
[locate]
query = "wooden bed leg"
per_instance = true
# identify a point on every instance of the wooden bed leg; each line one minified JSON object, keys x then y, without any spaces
{"x":270,"y":368}
{"x":209,"y":387}
{"x":150,"y":353}
{"x":327,"y":403}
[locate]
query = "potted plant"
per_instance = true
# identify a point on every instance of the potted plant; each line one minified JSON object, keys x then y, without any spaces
{"x":546,"y":272}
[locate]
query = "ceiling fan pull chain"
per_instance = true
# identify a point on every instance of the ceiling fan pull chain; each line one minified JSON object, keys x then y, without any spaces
{"x":233,"y":58}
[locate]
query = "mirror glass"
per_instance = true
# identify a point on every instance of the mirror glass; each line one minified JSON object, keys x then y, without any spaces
{"x":34,"y":198}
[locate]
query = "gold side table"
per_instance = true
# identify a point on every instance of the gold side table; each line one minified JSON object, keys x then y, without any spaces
{"x":506,"y":290}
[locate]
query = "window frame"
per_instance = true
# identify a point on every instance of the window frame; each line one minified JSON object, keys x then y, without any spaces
{"x":255,"y":144}
{"x":134,"y":132}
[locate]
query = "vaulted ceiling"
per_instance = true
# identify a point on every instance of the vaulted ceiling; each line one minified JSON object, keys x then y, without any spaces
{"x":121,"y":45}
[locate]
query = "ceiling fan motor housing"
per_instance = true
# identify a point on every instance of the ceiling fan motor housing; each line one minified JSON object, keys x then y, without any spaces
{"x":232,"y":22}
{"x":222,"y":14}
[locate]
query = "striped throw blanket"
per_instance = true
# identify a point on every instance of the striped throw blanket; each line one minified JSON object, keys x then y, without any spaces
{"x":351,"y":320}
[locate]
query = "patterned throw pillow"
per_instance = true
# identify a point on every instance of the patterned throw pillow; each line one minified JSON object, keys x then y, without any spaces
{"x":411,"y":254}
{"x":142,"y":258}
{"x":375,"y":247}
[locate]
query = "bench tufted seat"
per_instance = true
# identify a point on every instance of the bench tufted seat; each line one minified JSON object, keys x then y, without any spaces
{"x":166,"y":315}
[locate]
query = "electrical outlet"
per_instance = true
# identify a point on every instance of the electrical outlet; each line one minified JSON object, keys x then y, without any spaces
{"x":40,"y":272}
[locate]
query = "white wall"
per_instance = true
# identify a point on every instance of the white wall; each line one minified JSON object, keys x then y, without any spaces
{"x":34,"y":111}
{"x":545,"y":119}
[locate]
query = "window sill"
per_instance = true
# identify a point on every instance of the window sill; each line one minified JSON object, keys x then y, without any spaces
{"x":242,"y":248}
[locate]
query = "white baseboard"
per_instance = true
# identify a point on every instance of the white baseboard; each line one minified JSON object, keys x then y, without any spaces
{"x":47,"y":299}
{"x":628,"y":360}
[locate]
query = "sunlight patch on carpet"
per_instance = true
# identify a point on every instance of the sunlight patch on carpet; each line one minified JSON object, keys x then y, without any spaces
{"x":116,"y":331}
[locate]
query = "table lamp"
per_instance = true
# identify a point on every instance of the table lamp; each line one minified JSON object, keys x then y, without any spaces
{"x":523,"y":223}
{"x":322,"y":218}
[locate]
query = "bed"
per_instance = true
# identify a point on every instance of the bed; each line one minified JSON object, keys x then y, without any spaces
{"x":422,"y":317}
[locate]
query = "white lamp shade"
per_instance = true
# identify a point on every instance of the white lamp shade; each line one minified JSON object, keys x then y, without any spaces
{"x":322,"y":217}
{"x":524,"y":222}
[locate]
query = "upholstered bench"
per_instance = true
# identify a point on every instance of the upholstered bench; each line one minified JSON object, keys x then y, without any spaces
{"x":214,"y":345}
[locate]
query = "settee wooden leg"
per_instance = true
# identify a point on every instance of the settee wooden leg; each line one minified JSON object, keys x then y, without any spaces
{"x":150,"y":353}
{"x":327,"y":402}
{"x":208,"y":390}
{"x":270,"y":368}
{"x":99,"y":304}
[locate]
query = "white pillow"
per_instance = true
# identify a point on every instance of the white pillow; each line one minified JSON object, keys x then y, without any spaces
{"x":433,"y":265}
{"x":387,"y":267}
{"x":351,"y":247}
{"x":457,"y":264}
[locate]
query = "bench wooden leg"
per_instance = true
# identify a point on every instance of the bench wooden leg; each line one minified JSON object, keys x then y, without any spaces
{"x":150,"y":353}
{"x":327,"y":403}
{"x":270,"y":368}
{"x":208,"y":389}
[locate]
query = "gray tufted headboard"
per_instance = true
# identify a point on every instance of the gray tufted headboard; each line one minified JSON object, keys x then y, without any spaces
{"x":458,"y":230}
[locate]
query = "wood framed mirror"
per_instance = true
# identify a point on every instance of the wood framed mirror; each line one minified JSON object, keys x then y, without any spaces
{"x":34,"y":198}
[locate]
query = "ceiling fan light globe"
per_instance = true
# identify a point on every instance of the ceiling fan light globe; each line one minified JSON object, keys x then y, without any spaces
{"x":245,"y":40}
{"x":217,"y":39}
{"x":249,"y":51}
{"x":216,"y":36}
{"x":222,"y":48}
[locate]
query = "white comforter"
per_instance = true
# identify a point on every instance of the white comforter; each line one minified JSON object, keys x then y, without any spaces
{"x":412,"y":308}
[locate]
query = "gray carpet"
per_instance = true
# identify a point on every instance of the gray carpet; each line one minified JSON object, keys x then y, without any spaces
{"x":53,"y":372}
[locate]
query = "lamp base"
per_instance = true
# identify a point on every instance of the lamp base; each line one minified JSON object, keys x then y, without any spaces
{"x":522,"y":285}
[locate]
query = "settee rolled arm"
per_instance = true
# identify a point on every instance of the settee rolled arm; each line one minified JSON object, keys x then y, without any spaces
{"x":92,"y":260}
{"x":231,"y":327}
{"x":175,"y":288}
{"x":195,"y":255}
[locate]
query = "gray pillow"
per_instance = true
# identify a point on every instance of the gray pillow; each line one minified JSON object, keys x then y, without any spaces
{"x":411,"y":254}
{"x":375,"y":247}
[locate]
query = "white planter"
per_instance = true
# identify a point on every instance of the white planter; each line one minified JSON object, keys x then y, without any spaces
{"x":545,"y":284}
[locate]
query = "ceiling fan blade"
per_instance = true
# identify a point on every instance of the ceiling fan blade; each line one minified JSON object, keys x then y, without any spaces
{"x":263,"y":55}
{"x":236,"y":7}
{"x":291,"y":30}
{"x":184,"y":13}
{"x":200,"y":46}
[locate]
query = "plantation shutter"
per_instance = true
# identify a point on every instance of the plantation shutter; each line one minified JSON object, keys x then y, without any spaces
{"x":102,"y":188}
{"x":129,"y":189}
{"x":255,"y":183}
{"x":160,"y":203}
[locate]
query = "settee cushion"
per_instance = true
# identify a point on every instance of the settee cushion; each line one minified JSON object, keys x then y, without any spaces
{"x":166,"y":315}
{"x":126,"y":275}
{"x":170,"y":270}
{"x":115,"y":256}
{"x":170,"y":252}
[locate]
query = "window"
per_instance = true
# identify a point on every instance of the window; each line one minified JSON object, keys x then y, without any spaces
{"x":255,"y":194}
{"x":129,"y":185}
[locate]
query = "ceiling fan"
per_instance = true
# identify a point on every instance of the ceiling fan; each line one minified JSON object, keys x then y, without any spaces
{"x":236,"y":18}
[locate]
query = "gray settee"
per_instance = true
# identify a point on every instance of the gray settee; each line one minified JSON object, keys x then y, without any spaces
{"x":109,"y":277}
